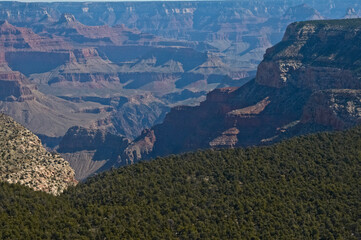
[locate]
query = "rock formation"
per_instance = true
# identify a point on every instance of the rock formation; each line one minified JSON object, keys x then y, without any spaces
{"x":24,"y":160}
{"x":120,"y":67}
{"x":314,"y":55}
{"x":309,"y":81}
{"x":68,"y":59}
{"x":116,"y":50}
{"x":14,"y":87}
{"x":338,"y":109}
{"x":14,"y":38}
{"x":91,"y":150}
{"x":42,"y":114}
{"x":302,"y":12}
{"x":352,"y":13}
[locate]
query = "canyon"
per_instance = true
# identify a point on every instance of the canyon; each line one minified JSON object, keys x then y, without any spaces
{"x":109,"y":84}
{"x":180,"y":119}
{"x":308,"y":82}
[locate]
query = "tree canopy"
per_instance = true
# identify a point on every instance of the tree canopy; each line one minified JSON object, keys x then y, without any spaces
{"x":303,"y":188}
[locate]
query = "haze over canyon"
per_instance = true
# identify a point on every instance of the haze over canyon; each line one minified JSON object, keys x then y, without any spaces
{"x":109,"y":84}
{"x":180,"y":120}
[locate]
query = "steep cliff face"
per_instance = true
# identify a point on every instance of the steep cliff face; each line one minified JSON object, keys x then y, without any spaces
{"x":140,"y":148}
{"x":82,"y":67}
{"x":25,"y":161}
{"x":138,"y":111}
{"x":14,"y":38}
{"x":79,"y":138}
{"x":314,"y":55}
{"x":79,"y":34}
{"x":338,"y":109}
{"x":311,"y":78}
{"x":91,"y":150}
{"x":302,"y":12}
{"x":229,"y":117}
{"x":14,"y":86}
{"x":42,"y":114}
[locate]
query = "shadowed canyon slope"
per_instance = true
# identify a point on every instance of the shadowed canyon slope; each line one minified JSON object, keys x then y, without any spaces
{"x":310,"y":81}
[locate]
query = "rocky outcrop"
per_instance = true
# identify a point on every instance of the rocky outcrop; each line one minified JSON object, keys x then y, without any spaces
{"x":66,"y":18}
{"x":14,"y":38}
{"x":15,"y":87}
{"x":338,"y":109}
{"x":80,"y":34}
{"x":140,"y":147}
{"x":314,"y":55}
{"x":352,"y":13}
{"x":136,"y":113}
{"x":92,"y":150}
{"x":302,"y":12}
{"x":227,"y":139}
{"x":25,"y":161}
{"x":79,"y":138}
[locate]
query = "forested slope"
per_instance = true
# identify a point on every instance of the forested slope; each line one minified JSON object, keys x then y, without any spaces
{"x":303,"y":188}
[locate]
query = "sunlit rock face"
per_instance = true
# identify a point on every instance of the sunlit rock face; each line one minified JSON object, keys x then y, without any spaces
{"x":25,"y":161}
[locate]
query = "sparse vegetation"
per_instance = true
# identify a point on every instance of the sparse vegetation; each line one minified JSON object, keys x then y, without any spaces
{"x":24,"y":160}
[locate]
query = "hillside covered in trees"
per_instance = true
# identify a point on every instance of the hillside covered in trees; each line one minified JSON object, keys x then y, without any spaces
{"x":303,"y":188}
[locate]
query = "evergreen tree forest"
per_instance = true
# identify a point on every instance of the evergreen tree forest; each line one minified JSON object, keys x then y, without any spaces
{"x":304,"y":188}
